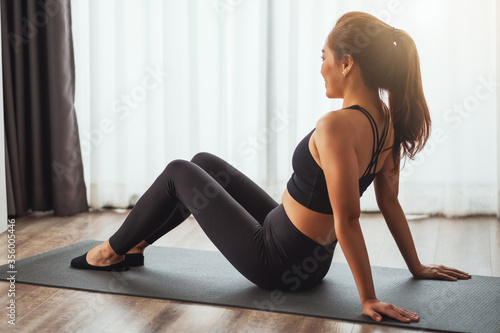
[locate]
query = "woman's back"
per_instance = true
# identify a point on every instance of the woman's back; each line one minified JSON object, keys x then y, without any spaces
{"x":372,"y":134}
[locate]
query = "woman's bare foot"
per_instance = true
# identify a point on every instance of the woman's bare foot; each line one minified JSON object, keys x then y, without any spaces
{"x":103,"y":255}
{"x":139,"y":248}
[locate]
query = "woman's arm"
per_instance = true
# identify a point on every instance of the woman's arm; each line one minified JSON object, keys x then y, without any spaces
{"x":340,"y":166}
{"x":336,"y":147}
{"x":386,"y":191}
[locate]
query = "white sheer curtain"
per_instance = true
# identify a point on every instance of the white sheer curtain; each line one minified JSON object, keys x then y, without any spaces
{"x":164,"y":79}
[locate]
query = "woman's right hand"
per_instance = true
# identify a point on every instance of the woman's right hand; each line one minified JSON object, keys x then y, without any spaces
{"x":374,"y":309}
{"x":440,"y":272}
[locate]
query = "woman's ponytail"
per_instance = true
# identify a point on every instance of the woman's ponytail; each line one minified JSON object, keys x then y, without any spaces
{"x":409,"y":112}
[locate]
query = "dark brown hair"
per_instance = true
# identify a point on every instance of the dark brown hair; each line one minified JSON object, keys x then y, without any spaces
{"x":388,"y":60}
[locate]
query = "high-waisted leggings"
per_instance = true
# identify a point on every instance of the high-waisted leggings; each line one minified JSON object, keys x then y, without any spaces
{"x":248,"y":227}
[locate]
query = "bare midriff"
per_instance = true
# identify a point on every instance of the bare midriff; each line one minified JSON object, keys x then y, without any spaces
{"x":317,"y":226}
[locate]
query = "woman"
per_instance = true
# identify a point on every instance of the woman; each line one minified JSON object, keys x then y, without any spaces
{"x":290,"y":245}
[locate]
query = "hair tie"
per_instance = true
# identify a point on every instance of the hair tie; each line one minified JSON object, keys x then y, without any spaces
{"x":394,"y":35}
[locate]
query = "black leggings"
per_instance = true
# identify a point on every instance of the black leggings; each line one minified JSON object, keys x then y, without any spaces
{"x":248,"y":227}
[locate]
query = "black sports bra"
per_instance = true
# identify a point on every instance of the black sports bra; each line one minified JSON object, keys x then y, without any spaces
{"x":307,"y":185}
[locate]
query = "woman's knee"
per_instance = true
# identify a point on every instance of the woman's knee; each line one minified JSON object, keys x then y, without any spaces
{"x":177,"y":166}
{"x":214,"y":164}
{"x":216,"y":167}
{"x":203,"y":158}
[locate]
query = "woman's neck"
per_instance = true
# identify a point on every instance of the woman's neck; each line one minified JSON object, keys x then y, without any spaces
{"x":357,"y":93}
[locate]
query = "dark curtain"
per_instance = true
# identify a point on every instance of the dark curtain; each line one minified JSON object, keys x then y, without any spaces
{"x":43,"y":158}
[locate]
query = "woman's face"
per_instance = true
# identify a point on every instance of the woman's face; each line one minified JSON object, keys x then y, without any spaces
{"x":332,"y":73}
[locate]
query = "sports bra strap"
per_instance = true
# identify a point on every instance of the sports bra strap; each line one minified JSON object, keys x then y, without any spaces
{"x":378,"y":143}
{"x":384,"y":137}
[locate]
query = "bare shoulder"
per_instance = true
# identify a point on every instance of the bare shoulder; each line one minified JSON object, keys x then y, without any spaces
{"x":333,"y":125}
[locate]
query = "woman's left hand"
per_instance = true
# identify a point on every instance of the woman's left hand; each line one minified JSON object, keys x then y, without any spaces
{"x":440,"y":272}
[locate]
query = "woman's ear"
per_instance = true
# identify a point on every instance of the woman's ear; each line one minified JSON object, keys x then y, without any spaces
{"x":346,"y":64}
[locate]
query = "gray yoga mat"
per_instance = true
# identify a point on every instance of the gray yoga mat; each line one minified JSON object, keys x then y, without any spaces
{"x":207,"y":277}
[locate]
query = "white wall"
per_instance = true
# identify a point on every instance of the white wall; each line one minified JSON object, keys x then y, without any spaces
{"x":3,"y":188}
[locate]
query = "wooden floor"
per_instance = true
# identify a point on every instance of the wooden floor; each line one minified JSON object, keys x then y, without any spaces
{"x":471,"y":244}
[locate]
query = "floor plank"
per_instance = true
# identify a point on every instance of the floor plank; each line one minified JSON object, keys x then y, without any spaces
{"x":495,"y":247}
{"x":243,"y":320}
